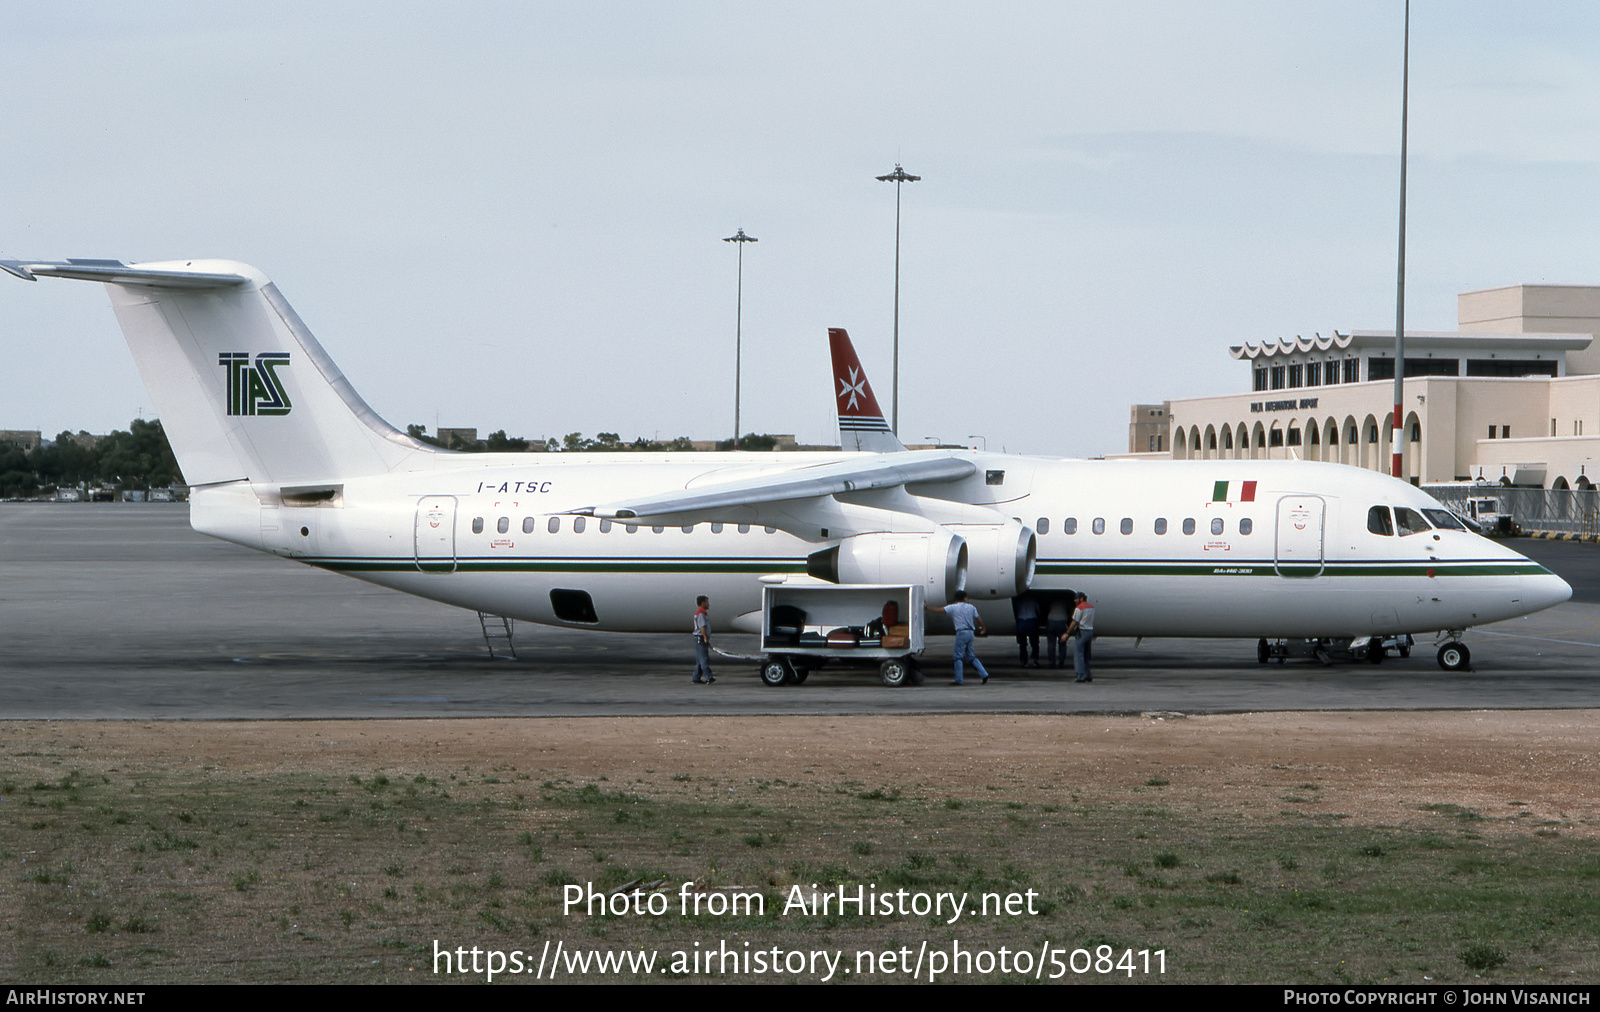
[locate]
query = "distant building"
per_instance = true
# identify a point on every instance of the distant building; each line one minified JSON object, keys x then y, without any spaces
{"x":447,"y":437}
{"x":1147,"y":428}
{"x":1513,"y":394}
{"x":28,"y":439}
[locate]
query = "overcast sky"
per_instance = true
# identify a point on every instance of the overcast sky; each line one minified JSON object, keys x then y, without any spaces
{"x":508,"y":215}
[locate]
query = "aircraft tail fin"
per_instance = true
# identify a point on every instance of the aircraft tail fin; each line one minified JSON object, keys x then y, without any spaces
{"x":861,"y":422}
{"x":243,"y":389}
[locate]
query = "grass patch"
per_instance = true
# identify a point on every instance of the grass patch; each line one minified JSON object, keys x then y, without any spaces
{"x":168,"y":873}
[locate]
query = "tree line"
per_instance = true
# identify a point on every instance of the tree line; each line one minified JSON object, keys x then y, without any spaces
{"x":141,"y":457}
{"x":577,"y":442}
{"x":138,"y":458}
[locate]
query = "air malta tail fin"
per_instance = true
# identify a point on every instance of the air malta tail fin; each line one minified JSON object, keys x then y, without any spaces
{"x":243,"y":390}
{"x":861,"y":422}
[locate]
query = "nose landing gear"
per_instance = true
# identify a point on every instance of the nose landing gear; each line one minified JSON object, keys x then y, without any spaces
{"x":1454,"y":656}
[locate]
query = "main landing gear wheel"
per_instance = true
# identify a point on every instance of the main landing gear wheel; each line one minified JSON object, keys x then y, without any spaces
{"x":1454,"y":657}
{"x":1375,"y":651}
{"x":895,"y":672}
{"x":1262,"y":651}
{"x":800,"y":675}
{"x":776,"y":671}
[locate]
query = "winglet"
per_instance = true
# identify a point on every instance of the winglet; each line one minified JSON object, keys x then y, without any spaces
{"x":861,"y":422}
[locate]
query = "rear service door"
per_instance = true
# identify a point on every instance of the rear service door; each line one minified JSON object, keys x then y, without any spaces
{"x":436,"y":534}
{"x":1299,"y":541}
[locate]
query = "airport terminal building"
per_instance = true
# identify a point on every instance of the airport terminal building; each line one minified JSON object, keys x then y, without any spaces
{"x":1513,"y":395}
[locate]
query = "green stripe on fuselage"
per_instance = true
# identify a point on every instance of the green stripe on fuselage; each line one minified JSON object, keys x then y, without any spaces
{"x":1046,"y":567}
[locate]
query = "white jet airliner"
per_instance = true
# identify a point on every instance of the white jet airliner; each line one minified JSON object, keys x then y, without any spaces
{"x":285,"y":457}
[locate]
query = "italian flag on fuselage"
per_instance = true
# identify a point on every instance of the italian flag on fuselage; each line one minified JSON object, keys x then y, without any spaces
{"x":1233,"y":491}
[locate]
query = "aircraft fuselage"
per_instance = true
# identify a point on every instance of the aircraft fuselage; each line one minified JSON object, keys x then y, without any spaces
{"x":1149,"y":544}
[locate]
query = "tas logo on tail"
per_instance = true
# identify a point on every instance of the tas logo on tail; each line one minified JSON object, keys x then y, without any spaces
{"x":256,"y":389}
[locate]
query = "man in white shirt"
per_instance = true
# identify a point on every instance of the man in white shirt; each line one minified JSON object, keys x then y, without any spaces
{"x":1082,"y":632}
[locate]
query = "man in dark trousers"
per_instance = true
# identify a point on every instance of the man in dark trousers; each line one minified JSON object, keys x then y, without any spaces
{"x":1082,"y":633}
{"x":702,"y":641}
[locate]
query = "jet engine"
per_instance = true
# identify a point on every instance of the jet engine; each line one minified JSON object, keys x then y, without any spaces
{"x":1000,"y":559}
{"x":937,"y":561}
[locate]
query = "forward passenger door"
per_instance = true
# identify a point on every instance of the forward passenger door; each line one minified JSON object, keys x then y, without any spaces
{"x":1299,"y":535}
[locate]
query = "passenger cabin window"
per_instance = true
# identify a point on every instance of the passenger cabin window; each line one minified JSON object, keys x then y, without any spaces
{"x":1042,"y":525}
{"x":1408,"y":521}
{"x":1378,"y":521}
{"x":770,"y":530}
{"x":1099,"y":525}
{"x":657,"y":529}
{"x":1188,"y":525}
{"x":605,"y":527}
{"x":716,"y":528}
{"x":1069,"y":525}
{"x":527,"y":525}
{"x":477,"y":525}
{"x":504,"y":525}
{"x":1216,"y":525}
{"x":578,"y":525}
{"x":631,"y":528}
{"x":1246,"y":525}
{"x":554,"y":526}
{"x":1127,"y":525}
{"x":1161,"y":525}
{"x":744,"y":528}
{"x":688,"y":528}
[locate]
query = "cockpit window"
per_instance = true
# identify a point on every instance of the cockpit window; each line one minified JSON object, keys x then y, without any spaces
{"x":1409,"y":521}
{"x":1378,"y":521}
{"x":1444,"y":518}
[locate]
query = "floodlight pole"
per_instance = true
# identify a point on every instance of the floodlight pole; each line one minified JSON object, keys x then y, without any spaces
{"x":738,"y":238}
{"x":1397,"y":464}
{"x":897,"y":177}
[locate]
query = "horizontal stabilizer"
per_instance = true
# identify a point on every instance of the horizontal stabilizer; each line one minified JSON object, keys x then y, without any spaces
{"x":118,"y":273}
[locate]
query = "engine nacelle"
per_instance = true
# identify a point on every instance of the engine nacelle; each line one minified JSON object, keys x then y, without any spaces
{"x":938,"y":562}
{"x":1000,"y":559}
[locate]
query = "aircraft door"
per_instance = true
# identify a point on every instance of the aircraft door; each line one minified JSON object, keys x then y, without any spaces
{"x":436,"y":534}
{"x":1299,"y":536}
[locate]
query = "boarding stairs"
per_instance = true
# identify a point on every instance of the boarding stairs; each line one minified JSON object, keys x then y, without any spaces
{"x":498,"y":631}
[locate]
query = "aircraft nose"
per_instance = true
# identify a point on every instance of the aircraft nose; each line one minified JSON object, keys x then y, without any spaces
{"x":1547,"y":591}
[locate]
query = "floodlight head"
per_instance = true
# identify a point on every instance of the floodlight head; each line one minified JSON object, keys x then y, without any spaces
{"x":899,"y":175}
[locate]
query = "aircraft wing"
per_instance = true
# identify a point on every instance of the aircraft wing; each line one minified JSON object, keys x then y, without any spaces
{"x":879,"y":471}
